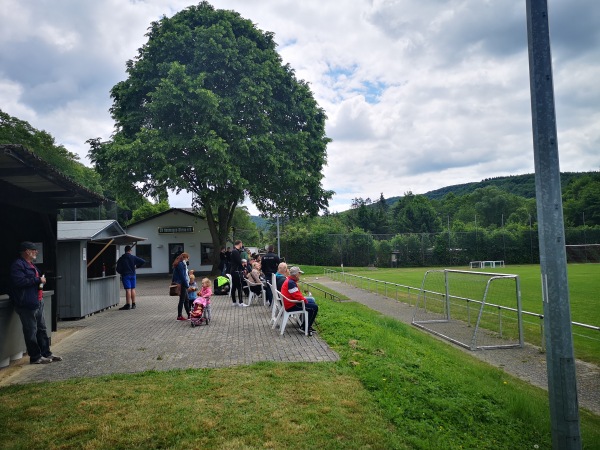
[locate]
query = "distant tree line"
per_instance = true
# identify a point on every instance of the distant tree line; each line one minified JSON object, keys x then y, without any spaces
{"x":486,"y":223}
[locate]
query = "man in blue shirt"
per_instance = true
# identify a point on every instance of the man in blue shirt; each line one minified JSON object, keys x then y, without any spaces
{"x":126,"y":266}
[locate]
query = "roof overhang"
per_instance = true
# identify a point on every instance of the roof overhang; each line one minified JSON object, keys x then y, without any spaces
{"x":124,"y":239}
{"x":29,"y":182}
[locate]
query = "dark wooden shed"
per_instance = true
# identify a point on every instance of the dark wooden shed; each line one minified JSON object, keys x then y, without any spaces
{"x":31,"y":193}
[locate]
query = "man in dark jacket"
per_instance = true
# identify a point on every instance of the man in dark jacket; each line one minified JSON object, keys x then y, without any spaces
{"x":237,"y":273}
{"x":126,"y":266}
{"x":27,"y":286}
{"x":269,"y":262}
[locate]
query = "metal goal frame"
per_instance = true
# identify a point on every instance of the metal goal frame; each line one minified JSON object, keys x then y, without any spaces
{"x":470,"y":336}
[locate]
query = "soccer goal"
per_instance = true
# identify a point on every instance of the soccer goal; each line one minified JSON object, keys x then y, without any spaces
{"x":477,"y":310}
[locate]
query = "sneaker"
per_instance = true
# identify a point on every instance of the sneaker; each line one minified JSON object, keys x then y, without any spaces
{"x":133,"y":306}
{"x":125,"y":308}
{"x":310,"y":332}
{"x":243,"y":305}
{"x":42,"y":360}
{"x":234,"y":304}
{"x":181,"y":318}
{"x":54,"y":357}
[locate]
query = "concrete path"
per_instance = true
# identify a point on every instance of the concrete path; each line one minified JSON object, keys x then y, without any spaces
{"x":149,"y":338}
{"x":527,"y":363}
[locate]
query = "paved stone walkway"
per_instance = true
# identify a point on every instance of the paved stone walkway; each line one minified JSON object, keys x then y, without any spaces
{"x":149,"y":338}
{"x":527,"y":363}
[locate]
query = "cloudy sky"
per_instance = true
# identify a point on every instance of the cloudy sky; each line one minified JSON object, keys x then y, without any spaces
{"x":420,"y":94}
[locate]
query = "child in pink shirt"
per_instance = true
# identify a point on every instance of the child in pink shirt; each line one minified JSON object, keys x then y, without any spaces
{"x":204,"y":297}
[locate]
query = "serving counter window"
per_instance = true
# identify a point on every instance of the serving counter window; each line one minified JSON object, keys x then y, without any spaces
{"x":100,"y":259}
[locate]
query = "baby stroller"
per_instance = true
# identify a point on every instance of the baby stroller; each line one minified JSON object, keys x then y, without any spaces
{"x":200,"y":314}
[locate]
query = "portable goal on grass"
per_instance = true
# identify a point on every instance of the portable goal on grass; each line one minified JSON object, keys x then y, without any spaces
{"x":477,"y":310}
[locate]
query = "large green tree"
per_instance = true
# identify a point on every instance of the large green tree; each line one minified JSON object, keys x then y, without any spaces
{"x":581,"y":200}
{"x":208,"y":107}
{"x":415,"y":214}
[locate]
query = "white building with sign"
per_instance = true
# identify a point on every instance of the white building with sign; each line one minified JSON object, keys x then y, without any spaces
{"x":167,"y":235}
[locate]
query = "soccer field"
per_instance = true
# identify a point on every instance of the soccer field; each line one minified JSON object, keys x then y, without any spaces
{"x":584,"y":292}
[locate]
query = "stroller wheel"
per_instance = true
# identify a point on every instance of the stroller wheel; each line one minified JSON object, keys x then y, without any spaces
{"x":192,"y":324}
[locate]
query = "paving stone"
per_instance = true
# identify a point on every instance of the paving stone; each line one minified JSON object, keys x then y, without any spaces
{"x":149,"y":338}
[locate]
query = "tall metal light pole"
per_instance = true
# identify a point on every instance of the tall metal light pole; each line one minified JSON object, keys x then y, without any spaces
{"x":278,"y":239}
{"x":562,"y":383}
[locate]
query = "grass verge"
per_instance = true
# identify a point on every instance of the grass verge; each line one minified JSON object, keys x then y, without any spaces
{"x":393,"y":388}
{"x":584,"y":284}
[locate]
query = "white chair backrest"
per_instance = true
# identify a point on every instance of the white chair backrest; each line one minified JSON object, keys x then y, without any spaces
{"x":230,"y":283}
{"x":273,"y":282}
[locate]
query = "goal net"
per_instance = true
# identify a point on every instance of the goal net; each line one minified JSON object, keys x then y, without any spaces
{"x":584,"y":253}
{"x":477,"y":310}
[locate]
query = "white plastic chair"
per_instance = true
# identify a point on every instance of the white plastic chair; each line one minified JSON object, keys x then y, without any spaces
{"x":285,"y":315}
{"x":228,"y":275}
{"x":276,"y":304}
{"x":253,"y":295}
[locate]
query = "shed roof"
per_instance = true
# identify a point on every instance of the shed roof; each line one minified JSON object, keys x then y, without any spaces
{"x":96,"y":231}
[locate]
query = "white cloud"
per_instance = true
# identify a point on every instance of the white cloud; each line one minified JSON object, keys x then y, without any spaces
{"x":420,"y":94}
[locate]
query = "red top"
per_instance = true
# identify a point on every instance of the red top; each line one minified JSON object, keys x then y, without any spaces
{"x":290,"y":290}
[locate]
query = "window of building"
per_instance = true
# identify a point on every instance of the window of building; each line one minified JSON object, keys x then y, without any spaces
{"x":144,"y":251}
{"x":206,"y":254}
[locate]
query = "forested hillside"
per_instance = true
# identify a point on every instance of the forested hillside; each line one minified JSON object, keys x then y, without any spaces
{"x":522,"y":185}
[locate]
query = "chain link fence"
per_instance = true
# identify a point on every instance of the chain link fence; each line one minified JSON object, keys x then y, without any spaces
{"x":447,"y":249}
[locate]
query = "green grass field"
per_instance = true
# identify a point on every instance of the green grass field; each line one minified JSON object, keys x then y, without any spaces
{"x":584,"y":288}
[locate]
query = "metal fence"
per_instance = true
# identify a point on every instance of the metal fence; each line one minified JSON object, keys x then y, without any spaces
{"x":410,"y":295}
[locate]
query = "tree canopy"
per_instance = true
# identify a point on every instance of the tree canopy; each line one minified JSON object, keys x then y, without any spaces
{"x":208,"y":107}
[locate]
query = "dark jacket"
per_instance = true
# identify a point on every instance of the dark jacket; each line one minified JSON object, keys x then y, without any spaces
{"x":24,"y":285}
{"x":127,"y":264}
{"x":269,"y":263}
{"x":179,"y":275}
{"x":280,"y":279}
{"x":236,"y":261}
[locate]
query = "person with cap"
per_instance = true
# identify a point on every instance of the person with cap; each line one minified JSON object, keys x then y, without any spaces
{"x":126,"y":266}
{"x":245,"y":268}
{"x":290,"y":290}
{"x":27,"y":295}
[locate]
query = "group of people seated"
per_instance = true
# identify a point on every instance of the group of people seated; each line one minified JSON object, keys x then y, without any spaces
{"x":258,"y":274}
{"x":287,"y":283}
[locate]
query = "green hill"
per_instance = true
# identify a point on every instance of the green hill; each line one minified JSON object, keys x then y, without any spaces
{"x":522,"y":185}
